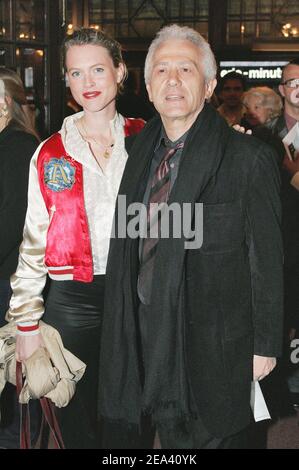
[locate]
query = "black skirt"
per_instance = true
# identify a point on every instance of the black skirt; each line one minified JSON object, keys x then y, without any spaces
{"x":75,"y":310}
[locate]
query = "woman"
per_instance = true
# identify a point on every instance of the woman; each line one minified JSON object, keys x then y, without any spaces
{"x":18,"y":142}
{"x":262,"y":105}
{"x":73,"y":184}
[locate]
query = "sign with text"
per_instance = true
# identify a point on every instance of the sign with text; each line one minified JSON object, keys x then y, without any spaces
{"x":254,"y":71}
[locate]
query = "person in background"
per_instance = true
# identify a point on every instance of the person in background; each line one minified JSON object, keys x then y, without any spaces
{"x":280,"y":126}
{"x":186,"y":327}
{"x":73,"y":184}
{"x":231,"y":89}
{"x":263,"y":110}
{"x":262,"y":105}
{"x":18,"y":141}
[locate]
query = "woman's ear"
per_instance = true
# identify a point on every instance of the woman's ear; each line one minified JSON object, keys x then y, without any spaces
{"x":121,"y":72}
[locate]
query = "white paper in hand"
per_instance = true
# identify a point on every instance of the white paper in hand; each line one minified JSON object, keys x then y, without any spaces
{"x":257,"y":402}
{"x":2,"y":92}
{"x":291,"y":142}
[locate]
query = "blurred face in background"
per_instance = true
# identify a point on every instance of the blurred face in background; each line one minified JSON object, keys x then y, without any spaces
{"x":256,"y":113}
{"x":231,"y":93}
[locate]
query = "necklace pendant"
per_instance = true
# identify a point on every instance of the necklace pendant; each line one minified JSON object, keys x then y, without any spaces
{"x":106,"y":154}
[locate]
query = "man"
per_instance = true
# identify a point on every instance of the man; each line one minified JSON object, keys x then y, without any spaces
{"x":187,"y":327}
{"x":232,"y":87}
{"x":289,"y":89}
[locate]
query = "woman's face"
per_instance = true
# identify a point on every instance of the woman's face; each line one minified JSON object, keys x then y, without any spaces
{"x":256,"y":113}
{"x":93,"y":79}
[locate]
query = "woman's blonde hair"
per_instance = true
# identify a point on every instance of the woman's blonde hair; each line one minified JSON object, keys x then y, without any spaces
{"x":17,"y":104}
{"x":269,"y":99}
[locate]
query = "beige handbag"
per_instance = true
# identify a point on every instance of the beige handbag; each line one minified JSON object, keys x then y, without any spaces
{"x":52,"y":371}
{"x":50,"y":374}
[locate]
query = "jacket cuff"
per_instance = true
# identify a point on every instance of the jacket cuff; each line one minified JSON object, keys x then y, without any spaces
{"x":28,"y":328}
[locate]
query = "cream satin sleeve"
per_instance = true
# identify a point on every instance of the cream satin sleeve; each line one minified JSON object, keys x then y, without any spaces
{"x":28,"y":282}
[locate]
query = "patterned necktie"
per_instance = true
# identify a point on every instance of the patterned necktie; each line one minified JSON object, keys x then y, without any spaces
{"x":159,"y":193}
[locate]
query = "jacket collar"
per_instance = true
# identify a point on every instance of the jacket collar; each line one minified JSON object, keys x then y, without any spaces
{"x":201,"y":154}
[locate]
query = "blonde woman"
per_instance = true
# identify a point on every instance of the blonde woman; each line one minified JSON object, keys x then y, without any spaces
{"x":262,"y":105}
{"x":18,"y":142}
{"x":74,"y":181}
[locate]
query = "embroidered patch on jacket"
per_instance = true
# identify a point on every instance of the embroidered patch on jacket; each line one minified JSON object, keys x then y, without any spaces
{"x":59,"y":174}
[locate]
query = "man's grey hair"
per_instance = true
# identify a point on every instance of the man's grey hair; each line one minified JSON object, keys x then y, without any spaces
{"x":184,"y":33}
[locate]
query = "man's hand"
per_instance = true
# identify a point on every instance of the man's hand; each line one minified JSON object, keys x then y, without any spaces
{"x":26,"y":345}
{"x":242,"y":129}
{"x":262,"y":366}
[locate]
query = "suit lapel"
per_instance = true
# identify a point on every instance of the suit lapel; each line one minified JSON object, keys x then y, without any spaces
{"x":138,"y":164}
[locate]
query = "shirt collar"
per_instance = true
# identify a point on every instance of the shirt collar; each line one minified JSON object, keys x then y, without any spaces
{"x":76,"y":146}
{"x":290,"y":121}
{"x":166,"y":142}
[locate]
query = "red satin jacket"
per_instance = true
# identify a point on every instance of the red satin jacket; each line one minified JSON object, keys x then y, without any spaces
{"x":68,"y":252}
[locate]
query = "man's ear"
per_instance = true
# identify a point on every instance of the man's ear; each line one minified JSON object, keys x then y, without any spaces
{"x":281,"y":90}
{"x":210,"y":87}
{"x":149,"y":92}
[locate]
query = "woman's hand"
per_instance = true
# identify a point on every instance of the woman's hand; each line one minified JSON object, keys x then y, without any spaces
{"x":26,"y":345}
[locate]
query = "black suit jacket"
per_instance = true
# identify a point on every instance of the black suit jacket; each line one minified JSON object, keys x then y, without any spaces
{"x":16,"y":150}
{"x":290,"y":231}
{"x":232,"y":285}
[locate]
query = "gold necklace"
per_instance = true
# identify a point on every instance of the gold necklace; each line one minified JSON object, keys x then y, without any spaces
{"x":108,"y":148}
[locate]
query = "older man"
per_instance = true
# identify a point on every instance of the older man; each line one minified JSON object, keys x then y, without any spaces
{"x":188,"y":325}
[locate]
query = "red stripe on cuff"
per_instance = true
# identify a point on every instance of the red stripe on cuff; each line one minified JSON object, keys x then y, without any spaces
{"x":62,"y":271}
{"x":28,"y":328}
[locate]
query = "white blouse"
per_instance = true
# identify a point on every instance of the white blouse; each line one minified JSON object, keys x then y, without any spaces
{"x":100,"y":188}
{"x":100,"y":192}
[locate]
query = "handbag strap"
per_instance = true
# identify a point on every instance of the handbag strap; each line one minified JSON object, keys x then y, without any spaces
{"x":50,"y":417}
{"x":25,"y":437}
{"x":48,"y":412}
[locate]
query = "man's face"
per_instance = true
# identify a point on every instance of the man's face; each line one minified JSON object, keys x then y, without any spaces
{"x":232,"y":92}
{"x":291,"y":95}
{"x":177,"y":86}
